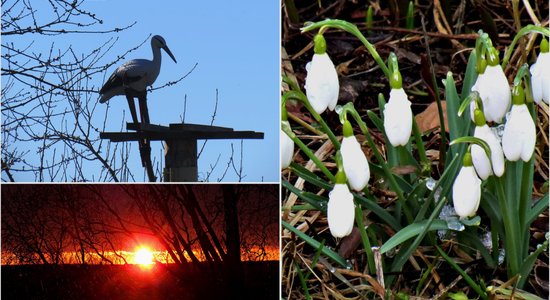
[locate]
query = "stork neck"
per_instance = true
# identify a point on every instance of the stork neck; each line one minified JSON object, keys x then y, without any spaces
{"x":156,"y":55}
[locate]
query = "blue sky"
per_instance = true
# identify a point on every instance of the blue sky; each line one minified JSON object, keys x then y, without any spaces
{"x":236,"y":47}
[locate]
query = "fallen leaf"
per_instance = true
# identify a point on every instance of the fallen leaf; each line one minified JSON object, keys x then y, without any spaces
{"x":429,"y":118}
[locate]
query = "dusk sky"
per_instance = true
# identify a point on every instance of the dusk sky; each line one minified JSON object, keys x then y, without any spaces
{"x":124,"y":217}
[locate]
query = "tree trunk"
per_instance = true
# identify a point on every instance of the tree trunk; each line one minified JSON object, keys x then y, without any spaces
{"x":233,"y":243}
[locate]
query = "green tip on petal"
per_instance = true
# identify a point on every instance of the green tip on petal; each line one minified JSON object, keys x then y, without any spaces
{"x":479,"y":118}
{"x":544,"y":45}
{"x":518,"y":95}
{"x":347,"y":129}
{"x":493,"y":59}
{"x":320,"y":44}
{"x":481,"y":66}
{"x":467,"y":160}
{"x":396,"y":82}
{"x":340,"y":175}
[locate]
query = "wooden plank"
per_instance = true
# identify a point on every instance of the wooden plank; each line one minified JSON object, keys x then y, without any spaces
{"x":198,"y":127}
{"x":146,"y":127}
{"x":171,"y":135}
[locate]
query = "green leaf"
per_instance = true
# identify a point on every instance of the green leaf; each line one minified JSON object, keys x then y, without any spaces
{"x":315,"y":244}
{"x":470,"y":77}
{"x":411,"y":231}
{"x":537,"y":209}
{"x":369,"y":202}
{"x":453,"y":102}
{"x":310,"y":198}
{"x":309,"y":176}
{"x":472,"y":240}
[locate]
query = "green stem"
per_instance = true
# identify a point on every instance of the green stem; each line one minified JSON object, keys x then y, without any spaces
{"x":315,"y":244}
{"x":511,"y":229}
{"x":302,"y":279}
{"x":351,"y":28}
{"x":308,"y":152}
{"x":465,"y":275}
{"x":525,"y":30}
{"x":365,"y":238}
{"x":393,"y":183}
{"x":424,"y":161}
{"x":300,"y":96}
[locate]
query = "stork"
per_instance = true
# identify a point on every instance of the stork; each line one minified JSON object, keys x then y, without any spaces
{"x":133,"y":77}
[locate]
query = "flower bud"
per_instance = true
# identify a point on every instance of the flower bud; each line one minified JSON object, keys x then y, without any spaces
{"x":340,"y":211}
{"x":322,"y":86}
{"x":519,"y":137}
{"x":287,"y":147}
{"x":466,"y":189}
{"x":354,"y":160}
{"x":540,"y":74}
{"x":494,"y":92}
{"x":398,"y":118}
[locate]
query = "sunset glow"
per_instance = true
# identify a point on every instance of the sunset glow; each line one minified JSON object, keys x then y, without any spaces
{"x":143,"y":256}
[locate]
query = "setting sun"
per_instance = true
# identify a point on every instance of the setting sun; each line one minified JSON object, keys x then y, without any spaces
{"x":143,"y":256}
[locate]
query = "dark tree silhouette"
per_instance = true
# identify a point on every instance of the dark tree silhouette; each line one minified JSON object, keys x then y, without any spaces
{"x":50,"y":114}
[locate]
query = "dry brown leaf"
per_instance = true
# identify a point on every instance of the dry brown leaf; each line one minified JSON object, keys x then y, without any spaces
{"x":429,"y":118}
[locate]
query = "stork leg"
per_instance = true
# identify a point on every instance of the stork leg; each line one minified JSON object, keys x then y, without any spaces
{"x":132,"y":106}
{"x":144,"y":144}
{"x":143,"y":110}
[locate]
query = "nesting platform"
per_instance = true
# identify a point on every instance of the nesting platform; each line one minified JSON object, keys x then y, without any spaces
{"x":181,"y":144}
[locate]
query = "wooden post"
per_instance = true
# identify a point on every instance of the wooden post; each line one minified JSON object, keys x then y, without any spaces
{"x":181,"y":160}
{"x":180,"y":144}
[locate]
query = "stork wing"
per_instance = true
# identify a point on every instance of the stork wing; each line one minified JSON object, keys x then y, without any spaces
{"x":129,"y":72}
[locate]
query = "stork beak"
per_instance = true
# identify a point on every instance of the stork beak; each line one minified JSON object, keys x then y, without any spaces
{"x":169,"y":53}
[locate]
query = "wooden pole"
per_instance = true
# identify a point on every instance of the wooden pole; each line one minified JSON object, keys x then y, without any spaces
{"x":181,"y":160}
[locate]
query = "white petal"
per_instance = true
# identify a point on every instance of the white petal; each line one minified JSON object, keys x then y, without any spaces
{"x":480,"y":159}
{"x":355,"y":163}
{"x":398,"y":118}
{"x":466,"y":192}
{"x":322,"y":85}
{"x":540,"y":77}
{"x":494,"y":91}
{"x":287,"y":149}
{"x":340,"y":211}
{"x":519,"y":134}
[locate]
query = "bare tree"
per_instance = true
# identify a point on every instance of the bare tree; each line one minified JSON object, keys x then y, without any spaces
{"x":50,"y":114}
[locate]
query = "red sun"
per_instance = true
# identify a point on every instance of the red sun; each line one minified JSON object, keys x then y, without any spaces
{"x":143,"y":257}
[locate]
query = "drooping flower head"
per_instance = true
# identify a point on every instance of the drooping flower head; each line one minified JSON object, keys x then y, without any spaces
{"x":340,"y":209}
{"x":493,"y":88}
{"x":466,"y":189}
{"x":485,"y":167}
{"x":287,"y":145}
{"x":540,"y":74}
{"x":397,"y":113}
{"x":354,"y":160}
{"x":519,"y":137}
{"x":322,"y":86}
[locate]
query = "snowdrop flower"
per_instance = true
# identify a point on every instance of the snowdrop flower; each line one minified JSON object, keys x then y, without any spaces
{"x":466,"y":189}
{"x":354,"y":160}
{"x":398,"y":114}
{"x":519,"y":135}
{"x":287,"y":146}
{"x":483,"y":166}
{"x":322,"y":85}
{"x":341,"y":209}
{"x":493,"y":89}
{"x":540,"y":74}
